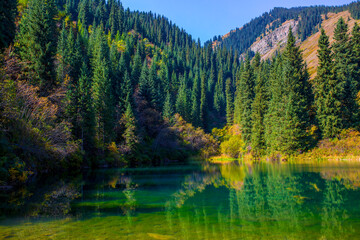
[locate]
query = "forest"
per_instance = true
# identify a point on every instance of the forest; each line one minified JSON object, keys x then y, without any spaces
{"x":87,"y":83}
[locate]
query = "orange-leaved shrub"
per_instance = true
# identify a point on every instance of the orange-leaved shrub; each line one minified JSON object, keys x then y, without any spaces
{"x":196,"y":138}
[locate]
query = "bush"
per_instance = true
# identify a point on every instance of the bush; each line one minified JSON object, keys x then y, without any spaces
{"x":233,"y":147}
{"x":196,"y":138}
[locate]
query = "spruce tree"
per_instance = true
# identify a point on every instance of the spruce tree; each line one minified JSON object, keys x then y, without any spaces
{"x":342,"y":70}
{"x":229,"y":102}
{"x":86,"y":110}
{"x":326,"y":92}
{"x":203,"y":103}
{"x":8,"y":13}
{"x":274,"y":116}
{"x":259,"y":108}
{"x":129,"y":121}
{"x":195,"y":108}
{"x":246,"y":94}
{"x":182,"y":100}
{"x":219,"y":96}
{"x":237,"y":98}
{"x":147,"y":84}
{"x":210,"y":87}
{"x":63,"y":54}
{"x":297,"y":99}
{"x":355,"y":49}
{"x":103,"y":101}
{"x":168,"y":110}
{"x":37,"y":40}
{"x":136,"y":67}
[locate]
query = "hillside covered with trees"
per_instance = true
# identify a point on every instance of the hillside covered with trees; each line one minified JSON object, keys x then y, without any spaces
{"x":310,"y":18}
{"x":87,"y":83}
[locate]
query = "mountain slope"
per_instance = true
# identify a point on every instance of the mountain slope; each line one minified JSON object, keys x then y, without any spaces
{"x":310,"y":45}
{"x":308,"y":20}
{"x":274,"y":41}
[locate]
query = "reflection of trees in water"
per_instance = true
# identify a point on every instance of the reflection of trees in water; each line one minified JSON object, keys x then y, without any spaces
{"x":333,"y":214}
{"x":129,"y":191}
{"x":57,"y":202}
{"x":272,"y":198}
{"x":255,"y":199}
{"x":350,"y":178}
{"x":50,"y":200}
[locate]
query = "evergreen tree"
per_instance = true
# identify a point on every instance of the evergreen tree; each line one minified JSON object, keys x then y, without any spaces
{"x":147,"y":81}
{"x":37,"y":40}
{"x":63,"y":54}
{"x":297,"y":100}
{"x":195,"y":108}
{"x":237,"y":98}
{"x":342,"y":70}
{"x":259,"y":108}
{"x":168,"y":110}
{"x":355,"y":49}
{"x":8,"y":13}
{"x":219,"y":96}
{"x":182,"y":99}
{"x":326,"y":92}
{"x":274,"y":117}
{"x":136,"y":67}
{"x":229,"y":102}
{"x":246,"y":94}
{"x":103,"y":101}
{"x":86,"y":111}
{"x":129,"y":121}
{"x":203,"y":103}
{"x":210,"y":87}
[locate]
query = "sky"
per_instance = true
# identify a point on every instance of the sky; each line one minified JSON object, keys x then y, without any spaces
{"x":206,"y":18}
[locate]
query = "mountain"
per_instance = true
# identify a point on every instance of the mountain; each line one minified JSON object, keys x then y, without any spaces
{"x":310,"y":45}
{"x":267,"y":34}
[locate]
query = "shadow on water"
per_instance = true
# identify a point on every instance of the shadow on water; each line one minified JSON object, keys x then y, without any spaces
{"x":230,"y":201}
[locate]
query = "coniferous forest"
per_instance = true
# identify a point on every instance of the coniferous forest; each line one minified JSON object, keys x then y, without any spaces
{"x":87,"y":83}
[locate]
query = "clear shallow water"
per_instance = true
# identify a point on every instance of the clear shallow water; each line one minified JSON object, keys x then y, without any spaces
{"x":233,"y":201}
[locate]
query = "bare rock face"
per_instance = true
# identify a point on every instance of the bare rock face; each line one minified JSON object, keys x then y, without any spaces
{"x":275,"y":40}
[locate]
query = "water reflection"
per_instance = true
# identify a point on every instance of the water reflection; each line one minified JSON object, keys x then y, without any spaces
{"x":231,"y":201}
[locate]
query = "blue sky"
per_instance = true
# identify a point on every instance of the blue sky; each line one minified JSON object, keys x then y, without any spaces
{"x":206,"y":18}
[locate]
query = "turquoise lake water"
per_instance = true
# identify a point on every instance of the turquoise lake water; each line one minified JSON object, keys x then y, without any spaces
{"x":195,"y":201}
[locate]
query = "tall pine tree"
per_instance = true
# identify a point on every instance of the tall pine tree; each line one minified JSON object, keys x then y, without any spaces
{"x":327,"y":91}
{"x":37,"y":40}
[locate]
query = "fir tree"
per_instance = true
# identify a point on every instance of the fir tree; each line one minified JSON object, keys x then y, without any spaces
{"x":274,"y":117}
{"x":129,"y":121}
{"x":168,"y":110}
{"x":326,"y":92}
{"x":37,"y":40}
{"x":203,"y":103}
{"x":86,"y":111}
{"x":246,"y":94}
{"x":342,"y":70}
{"x":219,"y":96}
{"x":355,"y":49}
{"x":195,"y":108}
{"x":259,"y":108}
{"x":136,"y":67}
{"x":103,"y":101}
{"x":8,"y":13}
{"x":229,"y":102}
{"x":297,"y":99}
{"x":182,"y":100}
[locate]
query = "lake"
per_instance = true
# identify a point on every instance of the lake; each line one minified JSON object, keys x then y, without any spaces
{"x":194,"y":201}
